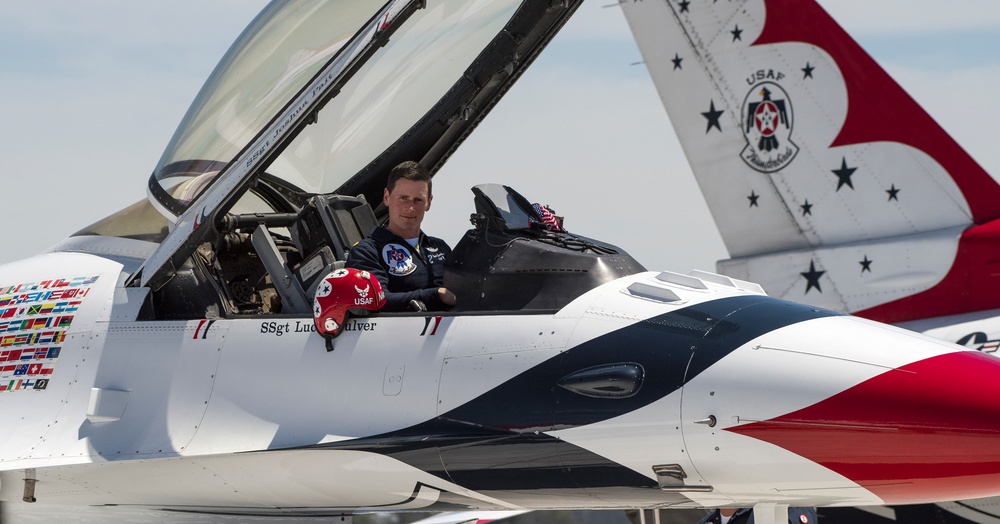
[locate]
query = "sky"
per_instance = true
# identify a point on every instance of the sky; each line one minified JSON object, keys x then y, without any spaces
{"x":92,"y":92}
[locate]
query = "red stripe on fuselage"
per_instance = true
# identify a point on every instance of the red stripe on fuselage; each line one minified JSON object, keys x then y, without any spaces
{"x":929,"y":430}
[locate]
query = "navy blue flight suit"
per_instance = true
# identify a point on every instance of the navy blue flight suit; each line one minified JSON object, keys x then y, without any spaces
{"x":405,"y":272}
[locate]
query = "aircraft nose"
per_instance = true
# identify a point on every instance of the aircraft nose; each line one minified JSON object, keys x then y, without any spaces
{"x":921,"y":431}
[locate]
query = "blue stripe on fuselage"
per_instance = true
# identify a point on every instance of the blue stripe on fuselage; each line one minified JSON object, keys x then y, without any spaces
{"x":672,"y":349}
{"x":490,"y":444}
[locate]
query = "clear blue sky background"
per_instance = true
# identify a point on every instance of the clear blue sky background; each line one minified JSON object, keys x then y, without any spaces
{"x":90,"y":93}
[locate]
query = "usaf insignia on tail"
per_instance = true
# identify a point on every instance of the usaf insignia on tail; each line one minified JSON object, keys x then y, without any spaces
{"x":768,"y":128}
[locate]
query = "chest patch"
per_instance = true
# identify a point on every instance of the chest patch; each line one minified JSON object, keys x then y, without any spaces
{"x":398,"y":260}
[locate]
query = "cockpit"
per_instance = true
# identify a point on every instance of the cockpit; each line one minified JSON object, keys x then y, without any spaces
{"x":272,"y":175}
{"x":270,"y":263}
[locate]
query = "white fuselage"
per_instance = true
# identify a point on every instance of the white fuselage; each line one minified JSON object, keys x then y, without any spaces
{"x":429,"y":410}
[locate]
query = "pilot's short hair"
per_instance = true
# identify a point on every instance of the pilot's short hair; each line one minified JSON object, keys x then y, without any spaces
{"x":409,"y":170}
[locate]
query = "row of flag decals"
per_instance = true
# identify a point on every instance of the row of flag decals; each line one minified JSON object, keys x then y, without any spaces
{"x":34,"y":320}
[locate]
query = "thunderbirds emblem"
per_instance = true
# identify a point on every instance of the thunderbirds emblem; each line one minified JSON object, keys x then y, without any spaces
{"x":398,"y":260}
{"x":767,"y":126}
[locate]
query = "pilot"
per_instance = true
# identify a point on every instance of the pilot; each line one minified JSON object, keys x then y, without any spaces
{"x":745,"y":516}
{"x":408,"y":263}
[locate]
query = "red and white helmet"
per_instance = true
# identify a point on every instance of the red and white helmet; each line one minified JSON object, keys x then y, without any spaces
{"x":340,"y":291}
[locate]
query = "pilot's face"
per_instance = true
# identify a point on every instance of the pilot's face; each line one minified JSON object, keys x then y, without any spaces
{"x":407,"y":203}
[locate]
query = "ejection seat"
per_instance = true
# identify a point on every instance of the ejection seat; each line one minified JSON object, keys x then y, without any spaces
{"x":228,"y":277}
{"x":327,"y":227}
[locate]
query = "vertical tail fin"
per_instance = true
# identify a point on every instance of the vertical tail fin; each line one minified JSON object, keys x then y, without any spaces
{"x":829,"y":184}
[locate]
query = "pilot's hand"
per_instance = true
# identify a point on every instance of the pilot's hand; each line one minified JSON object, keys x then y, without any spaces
{"x":447,"y":297}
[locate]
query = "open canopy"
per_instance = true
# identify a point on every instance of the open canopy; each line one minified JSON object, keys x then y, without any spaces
{"x":325,"y":97}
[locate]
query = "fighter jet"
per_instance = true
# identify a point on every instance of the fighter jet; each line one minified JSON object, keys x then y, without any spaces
{"x":170,"y":361}
{"x":866,"y":206}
